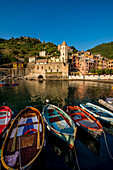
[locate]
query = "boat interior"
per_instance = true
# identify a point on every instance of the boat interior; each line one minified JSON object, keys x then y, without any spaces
{"x":57,"y":121}
{"x":82,"y":118}
{"x":24,"y":140}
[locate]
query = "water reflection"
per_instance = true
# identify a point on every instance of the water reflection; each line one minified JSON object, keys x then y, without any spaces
{"x":87,"y":139}
{"x":34,"y":93}
{"x":62,"y":149}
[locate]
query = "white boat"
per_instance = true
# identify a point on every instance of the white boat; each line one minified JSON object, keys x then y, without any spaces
{"x":99,"y":112}
{"x":106,"y":104}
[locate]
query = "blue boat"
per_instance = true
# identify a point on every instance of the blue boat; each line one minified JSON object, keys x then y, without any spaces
{"x":60,"y":123}
{"x":98,"y":112}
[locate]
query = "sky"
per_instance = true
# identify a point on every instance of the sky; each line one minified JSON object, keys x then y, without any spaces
{"x":83,"y":24}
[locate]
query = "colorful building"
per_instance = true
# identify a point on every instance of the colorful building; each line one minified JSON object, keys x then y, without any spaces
{"x":110,"y":64}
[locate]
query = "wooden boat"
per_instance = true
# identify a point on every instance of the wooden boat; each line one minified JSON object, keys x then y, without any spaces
{"x":60,"y":123}
{"x":5,"y":118}
{"x":24,"y":140}
{"x":106,"y":104}
{"x":99,"y":112}
{"x":85,"y":120}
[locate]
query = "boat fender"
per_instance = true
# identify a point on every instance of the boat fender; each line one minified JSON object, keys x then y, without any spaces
{"x":34,"y":130}
{"x":48,"y":128}
{"x":77,"y":124}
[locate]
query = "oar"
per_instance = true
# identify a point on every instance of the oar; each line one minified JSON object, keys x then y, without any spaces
{"x":38,"y":133}
{"x":14,"y":139}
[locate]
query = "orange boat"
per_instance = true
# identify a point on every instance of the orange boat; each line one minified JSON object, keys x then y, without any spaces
{"x":85,"y":120}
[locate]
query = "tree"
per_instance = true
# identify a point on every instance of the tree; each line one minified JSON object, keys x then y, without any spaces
{"x":93,"y":70}
{"x":111,"y":71}
{"x":107,"y":71}
{"x":26,"y":59}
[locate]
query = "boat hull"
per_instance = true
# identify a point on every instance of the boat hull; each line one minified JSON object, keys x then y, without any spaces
{"x":64,"y":129}
{"x":106,"y":117}
{"x":5,"y":119}
{"x":85,"y":121}
{"x":24,"y":140}
{"x":106,"y":104}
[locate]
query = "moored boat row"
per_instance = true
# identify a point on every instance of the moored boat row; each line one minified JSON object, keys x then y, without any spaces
{"x":26,"y":135}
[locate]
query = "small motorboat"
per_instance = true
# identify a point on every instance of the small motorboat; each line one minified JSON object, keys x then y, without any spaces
{"x":15,"y":84}
{"x":24,"y":140}
{"x":85,"y":120}
{"x":60,"y":123}
{"x":5,"y":118}
{"x":98,"y":112}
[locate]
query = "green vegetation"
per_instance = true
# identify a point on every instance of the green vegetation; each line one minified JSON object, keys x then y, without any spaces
{"x":102,"y":71}
{"x":105,"y":49}
{"x":24,"y":47}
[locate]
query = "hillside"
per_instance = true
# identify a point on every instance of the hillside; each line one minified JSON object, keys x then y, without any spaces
{"x":105,"y":49}
{"x":24,"y":47}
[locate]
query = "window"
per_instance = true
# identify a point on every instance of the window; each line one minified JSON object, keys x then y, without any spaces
{"x":57,"y":70}
{"x":42,"y":67}
{"x":37,"y":68}
{"x":45,"y":70}
{"x":51,"y":70}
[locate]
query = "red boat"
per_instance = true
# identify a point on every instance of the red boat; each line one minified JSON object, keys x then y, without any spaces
{"x":4,"y":84}
{"x":5,"y":118}
{"x":85,"y":120}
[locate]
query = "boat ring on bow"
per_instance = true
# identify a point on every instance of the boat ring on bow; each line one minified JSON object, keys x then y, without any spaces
{"x":29,"y":130}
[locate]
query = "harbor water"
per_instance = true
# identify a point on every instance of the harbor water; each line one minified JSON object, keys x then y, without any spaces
{"x":88,"y":153}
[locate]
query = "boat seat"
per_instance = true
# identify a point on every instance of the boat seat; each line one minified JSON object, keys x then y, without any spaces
{"x":27,"y":124}
{"x":50,"y":110}
{"x":52,"y":116}
{"x":82,"y":119}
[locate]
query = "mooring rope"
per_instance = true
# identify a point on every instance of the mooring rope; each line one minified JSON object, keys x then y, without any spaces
{"x":76,"y":159}
{"x":107,"y":146}
{"x":108,"y":132}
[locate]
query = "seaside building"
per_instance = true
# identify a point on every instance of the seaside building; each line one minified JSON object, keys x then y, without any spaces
{"x":110,"y":64}
{"x":82,"y":63}
{"x":50,"y":70}
{"x":42,"y":53}
{"x":100,"y":62}
{"x":86,"y":64}
{"x":55,"y":67}
{"x":32,"y":59}
{"x":64,"y":52}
